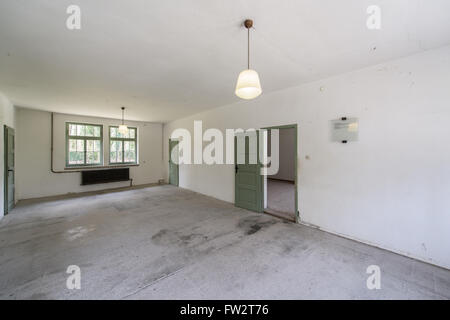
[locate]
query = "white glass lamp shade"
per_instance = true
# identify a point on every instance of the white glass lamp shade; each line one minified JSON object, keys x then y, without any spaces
{"x":248,"y":86}
{"x":123,"y":129}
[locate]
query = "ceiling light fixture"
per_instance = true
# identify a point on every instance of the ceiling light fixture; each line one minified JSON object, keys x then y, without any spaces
{"x":123,"y":129}
{"x":248,"y":85}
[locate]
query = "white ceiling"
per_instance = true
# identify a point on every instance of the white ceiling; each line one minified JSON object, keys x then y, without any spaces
{"x":167,"y":59}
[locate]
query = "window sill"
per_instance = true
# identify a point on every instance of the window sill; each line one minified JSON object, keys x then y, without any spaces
{"x":101,"y":167}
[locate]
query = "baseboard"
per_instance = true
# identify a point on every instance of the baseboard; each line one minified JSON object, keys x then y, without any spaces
{"x":87,"y":193}
{"x":379,"y":246}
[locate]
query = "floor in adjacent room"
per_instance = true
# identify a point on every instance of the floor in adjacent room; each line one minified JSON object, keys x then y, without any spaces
{"x":164,"y":242}
{"x":281,"y":198}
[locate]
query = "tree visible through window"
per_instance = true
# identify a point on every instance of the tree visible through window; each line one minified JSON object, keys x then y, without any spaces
{"x":84,"y":144}
{"x":122,"y":147}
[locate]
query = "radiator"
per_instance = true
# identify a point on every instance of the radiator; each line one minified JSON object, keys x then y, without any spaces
{"x":104,"y":176}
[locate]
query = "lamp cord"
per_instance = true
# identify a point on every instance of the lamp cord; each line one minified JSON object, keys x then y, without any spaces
{"x":248,"y":48}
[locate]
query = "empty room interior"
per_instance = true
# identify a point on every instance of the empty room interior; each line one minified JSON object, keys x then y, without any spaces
{"x":225,"y":150}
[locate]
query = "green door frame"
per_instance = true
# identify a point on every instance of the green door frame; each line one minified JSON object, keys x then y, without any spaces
{"x":6,"y":171}
{"x":292,"y":126}
{"x":178,"y":165}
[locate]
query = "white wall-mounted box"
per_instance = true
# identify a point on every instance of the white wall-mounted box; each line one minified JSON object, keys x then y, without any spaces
{"x":344,"y":130}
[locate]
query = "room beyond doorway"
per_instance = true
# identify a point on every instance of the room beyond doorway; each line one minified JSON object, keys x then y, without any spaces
{"x":281,"y":198}
{"x":281,"y":188}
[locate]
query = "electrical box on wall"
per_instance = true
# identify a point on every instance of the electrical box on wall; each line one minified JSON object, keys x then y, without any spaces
{"x":344,"y":130}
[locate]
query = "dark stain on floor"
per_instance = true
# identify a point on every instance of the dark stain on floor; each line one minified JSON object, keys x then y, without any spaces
{"x":253,"y":224}
{"x":120,"y":206}
{"x":168,"y":237}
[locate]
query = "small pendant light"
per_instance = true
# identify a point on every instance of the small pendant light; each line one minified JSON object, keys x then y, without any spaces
{"x":248,"y":85}
{"x":123,"y":129}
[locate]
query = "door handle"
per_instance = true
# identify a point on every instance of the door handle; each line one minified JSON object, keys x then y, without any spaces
{"x":11,"y":170}
{"x":236,"y":169}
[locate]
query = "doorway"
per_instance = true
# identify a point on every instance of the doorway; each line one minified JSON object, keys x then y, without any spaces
{"x":173,"y":167}
{"x":281,"y":188}
{"x":9,"y":180}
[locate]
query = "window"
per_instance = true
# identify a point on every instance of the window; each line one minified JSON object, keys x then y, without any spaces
{"x":84,"y":144}
{"x":122,"y":148}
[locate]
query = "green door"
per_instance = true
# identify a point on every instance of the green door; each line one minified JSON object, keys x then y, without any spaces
{"x":248,"y":179}
{"x":9,"y":170}
{"x":173,"y":167}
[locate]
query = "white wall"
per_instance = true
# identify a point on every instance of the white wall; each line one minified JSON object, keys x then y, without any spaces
{"x":7,"y":117}
{"x":391,"y":188}
{"x":34,"y":178}
{"x":286,"y":170}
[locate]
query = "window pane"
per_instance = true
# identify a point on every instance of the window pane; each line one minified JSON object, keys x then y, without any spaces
{"x":80,"y":145}
{"x":72,"y":129}
{"x":93,"y":145}
{"x":76,"y":145}
{"x":115,"y":152}
{"x":76,"y":157}
{"x":97,"y":132}
{"x":113,"y":132}
{"x":130,"y":151}
{"x":132,"y":133}
{"x":76,"y":151}
{"x":93,"y":151}
{"x":72,"y":145}
{"x":113,"y":146}
{"x":93,"y":157}
{"x":89,"y":131}
{"x":97,"y":145}
{"x":90,"y":145}
{"x":81,"y":129}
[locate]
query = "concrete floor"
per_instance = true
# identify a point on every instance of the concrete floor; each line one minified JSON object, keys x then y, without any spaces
{"x":168,"y":243}
{"x":281,"y":198}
